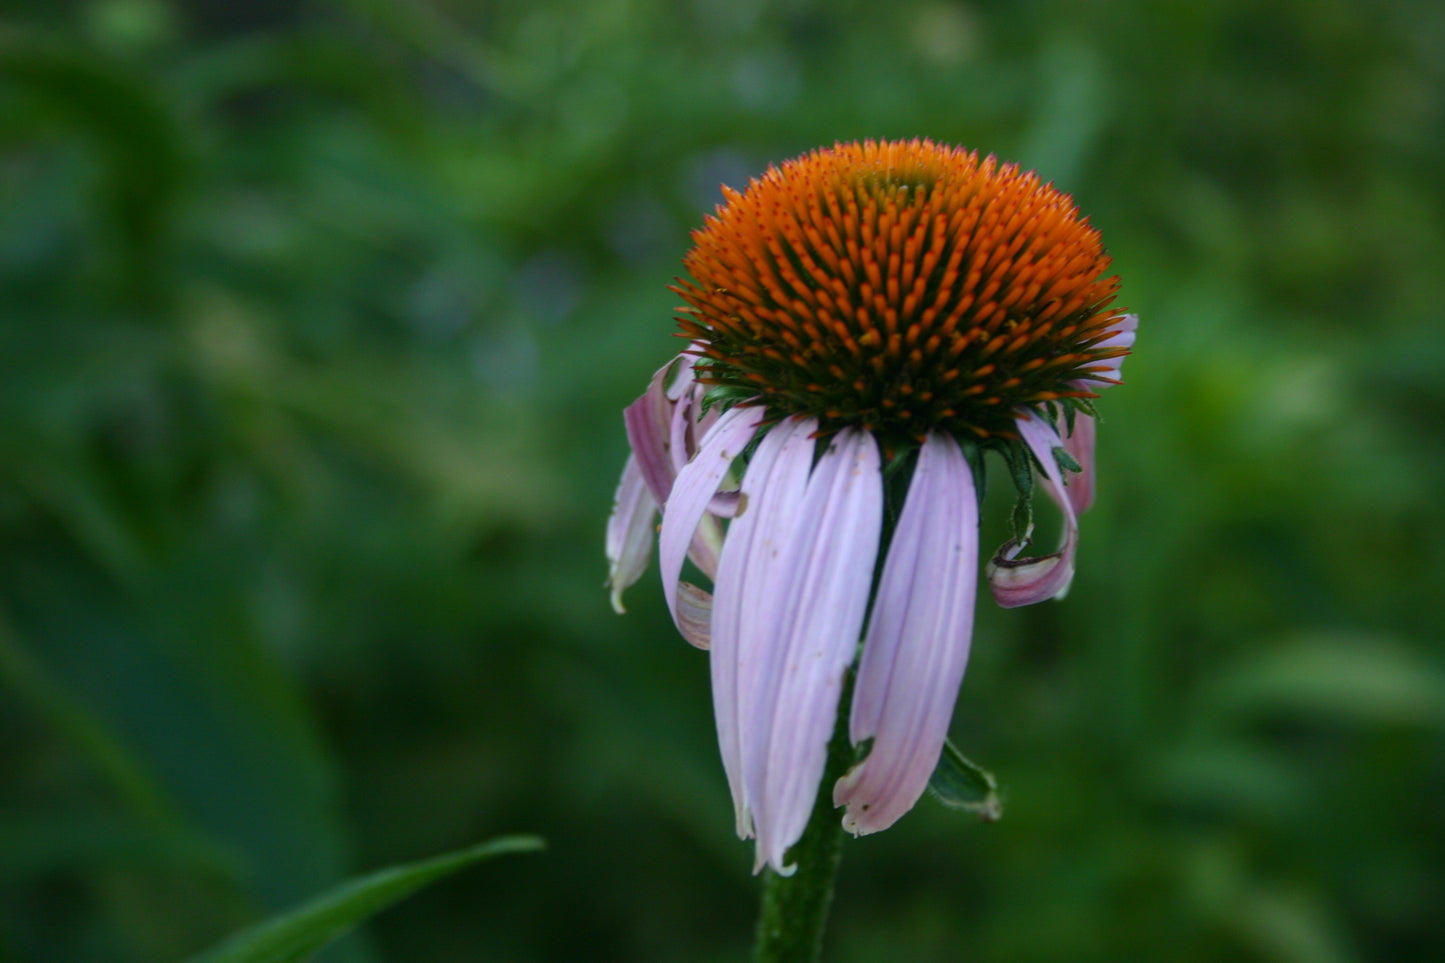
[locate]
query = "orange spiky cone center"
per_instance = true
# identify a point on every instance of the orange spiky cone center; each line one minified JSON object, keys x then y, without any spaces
{"x":900,"y":287}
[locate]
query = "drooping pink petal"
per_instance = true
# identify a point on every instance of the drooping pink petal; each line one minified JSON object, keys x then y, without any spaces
{"x":662,"y":428}
{"x":774,"y":485}
{"x":1080,"y":445}
{"x":693,"y":490}
{"x":1024,"y":581}
{"x":649,"y":432}
{"x":788,"y":693}
{"x":917,"y":644}
{"x":629,"y":532}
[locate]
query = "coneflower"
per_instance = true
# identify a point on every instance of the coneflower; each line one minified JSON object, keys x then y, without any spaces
{"x":864,"y":323}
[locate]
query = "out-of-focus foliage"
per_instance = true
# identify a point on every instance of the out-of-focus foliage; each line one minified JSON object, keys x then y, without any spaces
{"x":316,"y":321}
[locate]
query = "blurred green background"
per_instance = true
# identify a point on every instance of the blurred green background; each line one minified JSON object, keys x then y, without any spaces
{"x":316,"y":324}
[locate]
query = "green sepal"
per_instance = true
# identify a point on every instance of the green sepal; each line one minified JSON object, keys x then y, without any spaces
{"x":960,"y":783}
{"x":296,"y":935}
{"x":1022,"y":520}
{"x":1071,"y":408}
{"x":904,"y":458}
{"x":897,"y":478}
{"x":724,"y":397}
{"x":1084,"y":406}
{"x":1020,"y":467}
{"x":1066,"y":461}
{"x":973,"y":454}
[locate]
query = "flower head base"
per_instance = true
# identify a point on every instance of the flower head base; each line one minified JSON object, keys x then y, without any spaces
{"x":860,"y":310}
{"x":901,"y":288}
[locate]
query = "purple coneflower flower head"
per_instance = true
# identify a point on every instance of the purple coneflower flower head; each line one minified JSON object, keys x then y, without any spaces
{"x":865,"y":323}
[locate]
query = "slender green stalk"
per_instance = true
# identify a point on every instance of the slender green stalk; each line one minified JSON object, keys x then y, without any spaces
{"x":795,"y":908}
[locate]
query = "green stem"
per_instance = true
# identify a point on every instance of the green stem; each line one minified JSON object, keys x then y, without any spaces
{"x":795,"y":908}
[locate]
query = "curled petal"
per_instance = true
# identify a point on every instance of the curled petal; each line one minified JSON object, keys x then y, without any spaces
{"x":649,"y":432}
{"x":687,"y":425}
{"x":706,"y":545}
{"x":917,"y":644}
{"x":817,"y":557}
{"x":724,"y":504}
{"x":694,"y":489}
{"x":629,"y":532}
{"x":1024,"y":581}
{"x":681,"y":440}
{"x":694,"y":614}
{"x":660,"y":447}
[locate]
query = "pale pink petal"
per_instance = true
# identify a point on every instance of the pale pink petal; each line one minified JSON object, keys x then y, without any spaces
{"x":1080,"y":446}
{"x":694,"y":614}
{"x":649,"y":431}
{"x":917,"y":644}
{"x":683,"y":380}
{"x":789,"y":693}
{"x":681,"y":440}
{"x":686,"y":427}
{"x":707,"y":543}
{"x":1105,"y":373}
{"x":652,"y":421}
{"x":1123,"y":333}
{"x":775,"y":482}
{"x":693,"y":490}
{"x":629,"y":532}
{"x":1024,"y":581}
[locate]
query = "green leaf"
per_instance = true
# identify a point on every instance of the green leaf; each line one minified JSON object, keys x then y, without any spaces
{"x":960,"y":783}
{"x":294,"y":936}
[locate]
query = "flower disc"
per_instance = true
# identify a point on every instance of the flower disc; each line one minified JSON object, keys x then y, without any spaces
{"x":899,"y":287}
